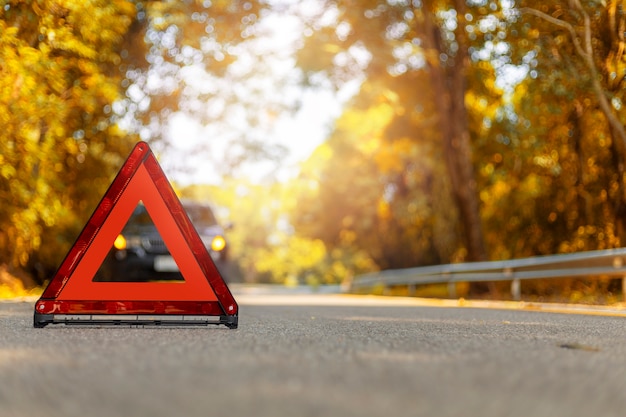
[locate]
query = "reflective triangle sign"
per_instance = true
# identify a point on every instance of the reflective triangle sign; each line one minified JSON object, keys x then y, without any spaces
{"x":73,"y":297}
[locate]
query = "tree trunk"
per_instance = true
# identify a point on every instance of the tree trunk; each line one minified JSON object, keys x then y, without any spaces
{"x":448,"y":79}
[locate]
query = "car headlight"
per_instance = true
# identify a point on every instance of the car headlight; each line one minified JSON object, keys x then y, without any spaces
{"x":218,"y":243}
{"x":120,"y":242}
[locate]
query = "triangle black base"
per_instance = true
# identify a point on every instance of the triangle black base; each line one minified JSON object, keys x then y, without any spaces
{"x":133,"y":320}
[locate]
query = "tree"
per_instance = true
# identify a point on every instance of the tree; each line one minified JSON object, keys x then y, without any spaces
{"x":575,"y":58}
{"x":364,"y":191}
{"x":263,"y":244}
{"x":58,"y":80}
{"x":447,"y":64}
{"x":399,"y":38}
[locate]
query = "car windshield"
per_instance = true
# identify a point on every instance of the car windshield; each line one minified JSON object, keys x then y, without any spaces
{"x":199,"y":215}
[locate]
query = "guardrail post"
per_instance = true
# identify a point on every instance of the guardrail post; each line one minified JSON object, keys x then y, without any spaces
{"x":411,"y":289}
{"x":386,"y":290}
{"x":516,"y":289}
{"x":451,"y":289}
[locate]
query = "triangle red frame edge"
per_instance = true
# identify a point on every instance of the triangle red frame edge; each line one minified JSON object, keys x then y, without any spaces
{"x":48,"y":309}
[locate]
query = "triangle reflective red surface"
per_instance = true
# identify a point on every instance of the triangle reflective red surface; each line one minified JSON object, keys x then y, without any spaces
{"x":73,"y":297}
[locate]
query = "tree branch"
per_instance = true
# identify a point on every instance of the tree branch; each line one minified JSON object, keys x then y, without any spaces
{"x":587,"y":55}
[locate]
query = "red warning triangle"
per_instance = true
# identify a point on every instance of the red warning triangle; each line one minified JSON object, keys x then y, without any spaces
{"x":72,"y":297}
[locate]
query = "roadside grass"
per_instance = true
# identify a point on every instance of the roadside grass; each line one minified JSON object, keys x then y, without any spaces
{"x":12,"y":287}
{"x":8,"y":292}
{"x":461,"y":291}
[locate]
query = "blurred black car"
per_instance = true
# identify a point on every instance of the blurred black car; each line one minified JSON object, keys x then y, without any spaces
{"x":139,"y":253}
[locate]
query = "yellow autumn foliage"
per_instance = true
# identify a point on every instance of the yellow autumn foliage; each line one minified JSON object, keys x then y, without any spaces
{"x":55,"y":81}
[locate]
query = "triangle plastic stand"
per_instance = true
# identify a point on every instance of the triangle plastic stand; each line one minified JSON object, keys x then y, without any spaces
{"x":72,"y":297}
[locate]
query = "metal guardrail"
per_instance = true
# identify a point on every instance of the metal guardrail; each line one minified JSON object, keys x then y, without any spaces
{"x":610,"y":262}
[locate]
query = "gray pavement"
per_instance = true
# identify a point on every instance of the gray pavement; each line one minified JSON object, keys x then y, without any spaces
{"x":321,"y":355}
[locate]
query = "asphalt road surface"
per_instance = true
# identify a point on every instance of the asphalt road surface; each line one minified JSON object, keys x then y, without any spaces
{"x":320,"y":355}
